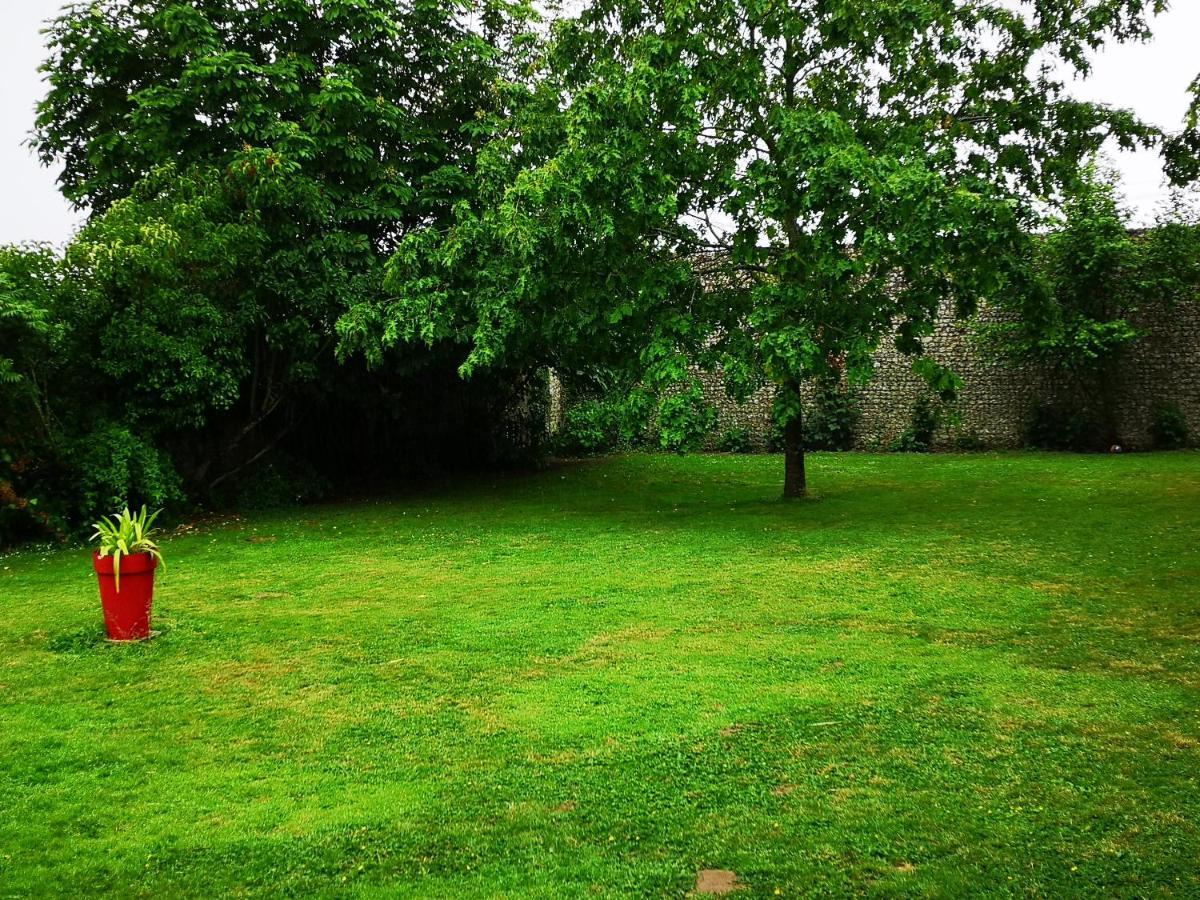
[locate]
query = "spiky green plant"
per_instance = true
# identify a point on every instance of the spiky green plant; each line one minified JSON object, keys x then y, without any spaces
{"x":127,"y":533}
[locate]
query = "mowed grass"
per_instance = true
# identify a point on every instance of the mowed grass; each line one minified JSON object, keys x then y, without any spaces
{"x":942,"y":676}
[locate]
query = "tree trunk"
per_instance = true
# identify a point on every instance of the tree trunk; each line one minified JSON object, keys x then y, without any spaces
{"x":794,"y":483}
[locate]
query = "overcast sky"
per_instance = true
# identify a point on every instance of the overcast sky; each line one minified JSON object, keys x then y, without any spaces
{"x":1149,"y":78}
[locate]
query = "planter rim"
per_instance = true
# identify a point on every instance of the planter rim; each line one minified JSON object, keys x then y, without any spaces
{"x":131,"y":564}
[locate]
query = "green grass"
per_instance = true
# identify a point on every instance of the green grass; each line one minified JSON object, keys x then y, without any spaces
{"x":944,"y":676}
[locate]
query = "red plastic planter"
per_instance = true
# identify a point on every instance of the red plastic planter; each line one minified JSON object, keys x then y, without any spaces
{"x":127,"y":612}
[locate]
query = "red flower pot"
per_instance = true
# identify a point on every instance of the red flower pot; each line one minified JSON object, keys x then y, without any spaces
{"x":127,"y":611}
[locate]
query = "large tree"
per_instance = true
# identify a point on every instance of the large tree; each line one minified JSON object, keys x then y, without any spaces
{"x":843,"y":170}
{"x":248,"y":169}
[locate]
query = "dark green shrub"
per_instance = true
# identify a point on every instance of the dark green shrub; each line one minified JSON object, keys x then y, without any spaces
{"x":830,"y":423}
{"x":736,"y":440}
{"x":636,"y":412}
{"x":906,"y":442}
{"x":918,"y":436}
{"x":115,"y":466}
{"x":30,"y":350}
{"x":832,"y":419}
{"x":685,"y":420}
{"x":282,"y":482}
{"x":1066,"y":426}
{"x":775,"y":436}
{"x":591,"y":426}
{"x":1169,"y":427}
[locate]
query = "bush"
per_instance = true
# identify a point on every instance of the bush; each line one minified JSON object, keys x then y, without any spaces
{"x":918,"y":436}
{"x":114,"y":467}
{"x":735,"y":440}
{"x":282,"y":482}
{"x":591,"y":426}
{"x":1066,"y":426}
{"x":685,"y":420}
{"x":776,"y":440}
{"x":1169,"y":427}
{"x":30,"y":347}
{"x":832,"y":422}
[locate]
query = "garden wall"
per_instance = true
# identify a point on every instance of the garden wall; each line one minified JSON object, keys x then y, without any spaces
{"x":997,"y":401}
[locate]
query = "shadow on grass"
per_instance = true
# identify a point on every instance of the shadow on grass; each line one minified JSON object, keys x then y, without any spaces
{"x":81,"y":640}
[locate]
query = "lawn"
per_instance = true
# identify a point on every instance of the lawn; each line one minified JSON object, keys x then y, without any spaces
{"x":943,"y":675}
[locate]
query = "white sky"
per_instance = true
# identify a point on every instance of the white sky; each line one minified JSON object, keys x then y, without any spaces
{"x":1149,"y":78}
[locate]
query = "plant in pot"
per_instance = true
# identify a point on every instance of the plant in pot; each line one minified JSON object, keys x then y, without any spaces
{"x":125,"y":563}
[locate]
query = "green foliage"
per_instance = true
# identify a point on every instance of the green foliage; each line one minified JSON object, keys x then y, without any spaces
{"x":31,"y":337}
{"x":282,"y":482}
{"x":112,"y":462}
{"x":373,"y":99}
{"x":151,"y":305}
{"x":1088,"y":280}
{"x":832,"y":417}
{"x":249,"y":168}
{"x":1168,"y":270}
{"x":163,"y":296}
{"x":835,"y":170}
{"x":1067,"y":425}
{"x":775,"y":435}
{"x":919,"y":435}
{"x":125,"y":534}
{"x":604,"y":411}
{"x":1091,"y":276}
{"x":968,"y":440}
{"x":735,"y":440}
{"x":685,"y":420}
{"x":1169,"y":427}
{"x":591,"y":426}
{"x":28,"y":282}
{"x":1182,"y":150}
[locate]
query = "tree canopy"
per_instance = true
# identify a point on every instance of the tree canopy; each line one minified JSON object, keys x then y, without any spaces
{"x":844,"y":170}
{"x":364,"y":106}
{"x":247,"y":169}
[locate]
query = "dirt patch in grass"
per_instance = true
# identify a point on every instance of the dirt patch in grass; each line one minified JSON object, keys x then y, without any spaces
{"x":715,"y":881}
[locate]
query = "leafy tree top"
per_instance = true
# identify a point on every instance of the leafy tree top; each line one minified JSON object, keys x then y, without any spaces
{"x":857,"y":163}
{"x":1091,"y":275}
{"x":850,"y":167}
{"x":304,"y":137}
{"x":370,"y":96}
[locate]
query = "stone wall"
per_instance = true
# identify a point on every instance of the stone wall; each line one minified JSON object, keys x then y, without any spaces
{"x":1164,"y":366}
{"x":996,"y":401}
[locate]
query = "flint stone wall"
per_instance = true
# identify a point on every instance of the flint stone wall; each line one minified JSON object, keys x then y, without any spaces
{"x":997,"y":401}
